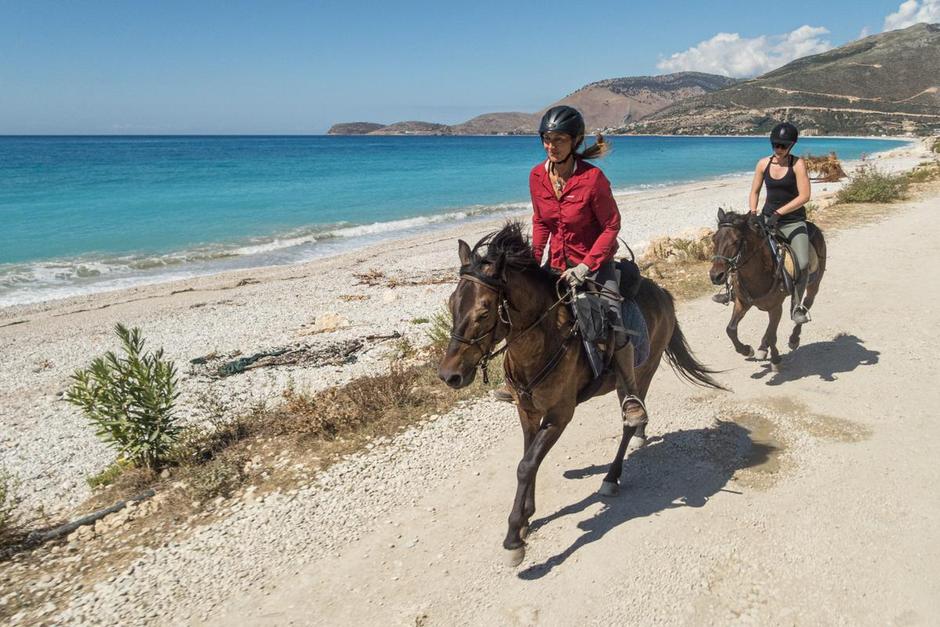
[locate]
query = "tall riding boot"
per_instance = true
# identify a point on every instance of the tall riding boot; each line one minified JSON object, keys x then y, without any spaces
{"x":798,"y":313}
{"x":632,"y":409}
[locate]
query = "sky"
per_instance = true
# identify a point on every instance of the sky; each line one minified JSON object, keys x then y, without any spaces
{"x":283,"y":67}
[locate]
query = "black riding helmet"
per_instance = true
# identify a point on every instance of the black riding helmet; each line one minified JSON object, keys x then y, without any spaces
{"x":563,"y":119}
{"x":784,"y":133}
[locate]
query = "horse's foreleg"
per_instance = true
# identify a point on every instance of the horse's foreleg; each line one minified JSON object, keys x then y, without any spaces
{"x":769,"y":341}
{"x":732,"y":329}
{"x":530,"y":426}
{"x":541,"y":444}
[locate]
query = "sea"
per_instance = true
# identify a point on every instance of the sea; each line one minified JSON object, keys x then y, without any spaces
{"x":89,"y":214}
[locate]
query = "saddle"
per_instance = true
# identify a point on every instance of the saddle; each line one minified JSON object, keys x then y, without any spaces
{"x":786,"y":260}
{"x":597,"y":328}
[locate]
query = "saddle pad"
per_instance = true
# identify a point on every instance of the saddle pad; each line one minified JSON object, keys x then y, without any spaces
{"x":636,"y":327}
{"x":790,"y":266}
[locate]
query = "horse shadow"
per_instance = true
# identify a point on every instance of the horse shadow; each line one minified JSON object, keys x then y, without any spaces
{"x":844,"y":353}
{"x":679,"y":469}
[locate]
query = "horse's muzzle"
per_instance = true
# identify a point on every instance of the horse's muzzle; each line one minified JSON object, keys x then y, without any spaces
{"x":717,"y":276}
{"x":454,"y":378}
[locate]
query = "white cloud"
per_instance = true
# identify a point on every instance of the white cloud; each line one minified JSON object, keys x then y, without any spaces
{"x":732,"y":55}
{"x":913,"y":12}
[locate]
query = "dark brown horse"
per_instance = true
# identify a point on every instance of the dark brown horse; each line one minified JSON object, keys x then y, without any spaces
{"x":503,"y":294}
{"x":743,"y":255}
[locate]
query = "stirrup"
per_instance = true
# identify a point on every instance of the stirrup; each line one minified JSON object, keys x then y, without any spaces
{"x":623,"y":411}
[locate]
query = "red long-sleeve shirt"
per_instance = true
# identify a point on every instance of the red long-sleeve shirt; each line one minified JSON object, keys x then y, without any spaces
{"x":581,"y":226}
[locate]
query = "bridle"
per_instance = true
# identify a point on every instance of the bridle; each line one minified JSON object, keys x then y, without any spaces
{"x":502,"y":317}
{"x":734,"y":264}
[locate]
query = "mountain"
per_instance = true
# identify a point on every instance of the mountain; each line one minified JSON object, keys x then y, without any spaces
{"x":354,"y":128}
{"x":413,"y":128}
{"x":613,"y":102}
{"x":884,"y":84}
{"x":605,"y":104}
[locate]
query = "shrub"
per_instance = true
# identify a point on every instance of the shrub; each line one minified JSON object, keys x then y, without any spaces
{"x":924,"y":172}
{"x":870,"y":185}
{"x":130,"y":400}
{"x":936,"y":145}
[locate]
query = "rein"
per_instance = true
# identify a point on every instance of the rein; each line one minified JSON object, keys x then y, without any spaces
{"x":503,"y":317}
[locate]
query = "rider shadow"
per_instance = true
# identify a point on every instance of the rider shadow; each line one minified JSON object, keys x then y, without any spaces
{"x":680,"y":469}
{"x":844,"y":353}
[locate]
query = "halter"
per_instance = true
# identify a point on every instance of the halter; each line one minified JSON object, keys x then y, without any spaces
{"x":735,"y":262}
{"x":502,"y":310}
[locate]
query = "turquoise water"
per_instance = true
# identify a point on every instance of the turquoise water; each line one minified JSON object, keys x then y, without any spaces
{"x":84,"y":214}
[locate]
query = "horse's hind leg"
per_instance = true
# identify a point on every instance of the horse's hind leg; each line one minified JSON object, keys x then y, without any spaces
{"x":811,"y":290}
{"x":611,"y":483}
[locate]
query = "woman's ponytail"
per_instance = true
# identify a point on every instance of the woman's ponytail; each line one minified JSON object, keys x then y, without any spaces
{"x":595,"y":151}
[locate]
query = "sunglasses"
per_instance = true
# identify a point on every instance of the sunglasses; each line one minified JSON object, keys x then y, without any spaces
{"x":781,"y":146}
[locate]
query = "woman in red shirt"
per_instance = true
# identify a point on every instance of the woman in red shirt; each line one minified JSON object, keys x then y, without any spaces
{"x":575,"y":214}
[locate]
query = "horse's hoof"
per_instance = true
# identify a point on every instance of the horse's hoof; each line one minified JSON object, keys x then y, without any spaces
{"x":636,"y":443}
{"x":524,"y":532}
{"x":750,"y":351}
{"x":793,"y":344}
{"x":776,"y":367}
{"x":609,"y":488}
{"x":514,"y":557}
{"x":761,"y":354}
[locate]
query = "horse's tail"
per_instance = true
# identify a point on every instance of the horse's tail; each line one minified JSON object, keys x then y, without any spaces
{"x":685,"y":364}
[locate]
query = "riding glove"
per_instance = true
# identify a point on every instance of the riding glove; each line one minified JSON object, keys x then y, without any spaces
{"x":576,"y":275}
{"x":771,"y":221}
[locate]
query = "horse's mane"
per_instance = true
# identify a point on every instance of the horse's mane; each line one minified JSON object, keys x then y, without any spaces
{"x":510,"y":247}
{"x":737,"y":220}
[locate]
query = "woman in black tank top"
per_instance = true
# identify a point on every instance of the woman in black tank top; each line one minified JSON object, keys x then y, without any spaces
{"x":788,"y":190}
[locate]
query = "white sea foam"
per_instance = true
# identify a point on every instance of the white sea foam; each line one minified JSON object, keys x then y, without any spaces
{"x":51,"y":280}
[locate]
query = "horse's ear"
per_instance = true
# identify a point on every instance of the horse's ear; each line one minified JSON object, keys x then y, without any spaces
{"x":721,"y":214}
{"x":463,"y":250}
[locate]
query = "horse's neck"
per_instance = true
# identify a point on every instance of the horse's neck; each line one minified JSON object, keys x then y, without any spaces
{"x":758,"y":269}
{"x":533,"y":301}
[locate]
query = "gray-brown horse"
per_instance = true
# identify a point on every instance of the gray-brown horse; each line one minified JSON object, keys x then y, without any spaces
{"x":503,"y":294}
{"x":743,"y":255}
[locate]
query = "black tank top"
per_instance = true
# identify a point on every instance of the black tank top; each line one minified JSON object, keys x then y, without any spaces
{"x":780,"y":192}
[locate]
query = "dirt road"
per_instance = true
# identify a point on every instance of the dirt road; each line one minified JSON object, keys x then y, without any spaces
{"x":804,"y":496}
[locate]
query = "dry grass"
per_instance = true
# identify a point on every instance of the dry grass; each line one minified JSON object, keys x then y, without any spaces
{"x":680,"y":264}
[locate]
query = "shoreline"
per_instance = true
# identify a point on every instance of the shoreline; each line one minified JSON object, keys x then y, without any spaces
{"x":50,"y":447}
{"x":332,"y":242}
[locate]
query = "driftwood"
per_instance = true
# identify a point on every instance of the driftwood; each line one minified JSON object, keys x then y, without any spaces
{"x":38,"y":537}
{"x":827,"y":169}
{"x":332,"y":354}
